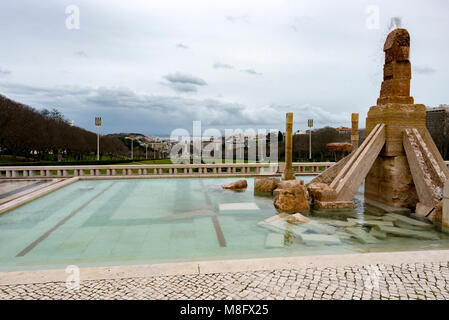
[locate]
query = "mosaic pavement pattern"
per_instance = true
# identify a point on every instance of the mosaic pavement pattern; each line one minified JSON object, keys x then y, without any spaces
{"x":405,"y":281}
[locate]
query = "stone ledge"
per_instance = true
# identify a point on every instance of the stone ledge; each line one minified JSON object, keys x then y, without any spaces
{"x":386,"y":207}
{"x":221,"y":266}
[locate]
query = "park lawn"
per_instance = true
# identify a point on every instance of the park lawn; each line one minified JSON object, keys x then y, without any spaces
{"x":161,"y":161}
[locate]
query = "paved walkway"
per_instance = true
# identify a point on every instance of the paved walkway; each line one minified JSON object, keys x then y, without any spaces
{"x":383,"y":281}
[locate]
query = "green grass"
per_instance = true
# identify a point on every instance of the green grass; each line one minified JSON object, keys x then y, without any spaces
{"x":161,"y":161}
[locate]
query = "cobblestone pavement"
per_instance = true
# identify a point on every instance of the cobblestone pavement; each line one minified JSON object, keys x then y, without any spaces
{"x":405,"y":281}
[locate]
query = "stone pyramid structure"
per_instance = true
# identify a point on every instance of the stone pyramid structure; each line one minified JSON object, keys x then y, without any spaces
{"x":398,"y":160}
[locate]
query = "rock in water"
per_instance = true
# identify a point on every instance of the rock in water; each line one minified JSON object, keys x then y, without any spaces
{"x":297,"y":218}
{"x":240,"y":184}
{"x":265,"y":184}
{"x":371,"y":223}
{"x":424,"y":235}
{"x":378,"y":234}
{"x":319,"y":239}
{"x":411,"y":221}
{"x":321,"y":192}
{"x":361,"y":235}
{"x":292,"y":199}
{"x":290,"y":184}
{"x":317,"y":227}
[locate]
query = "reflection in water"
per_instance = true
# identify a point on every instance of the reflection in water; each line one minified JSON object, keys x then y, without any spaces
{"x":190,"y":219}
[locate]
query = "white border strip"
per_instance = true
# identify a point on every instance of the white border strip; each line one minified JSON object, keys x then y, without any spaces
{"x":35,"y":194}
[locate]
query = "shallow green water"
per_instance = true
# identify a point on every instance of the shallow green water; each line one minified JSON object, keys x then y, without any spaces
{"x":106,"y":222}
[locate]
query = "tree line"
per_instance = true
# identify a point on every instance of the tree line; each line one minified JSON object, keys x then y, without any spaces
{"x":47,"y":135}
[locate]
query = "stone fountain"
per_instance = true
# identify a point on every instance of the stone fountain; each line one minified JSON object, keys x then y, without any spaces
{"x":398,"y":160}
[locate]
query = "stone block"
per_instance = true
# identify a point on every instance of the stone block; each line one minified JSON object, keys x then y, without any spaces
{"x":424,"y":235}
{"x":240,"y":184}
{"x":371,"y":223}
{"x":340,"y":223}
{"x":378,"y":234}
{"x":395,"y":100}
{"x":297,"y":218}
{"x":321,"y":192}
{"x":317,"y":227}
{"x":397,"y":54}
{"x":320,"y":239}
{"x":395,"y":87}
{"x":290,"y":184}
{"x":398,"y":70}
{"x":292,"y":199}
{"x":404,"y":225}
{"x":266,"y":185}
{"x":276,"y":223}
{"x":361,"y":235}
{"x":238,"y":206}
{"x":396,"y":38}
{"x":410,"y":221}
{"x":333,"y":205}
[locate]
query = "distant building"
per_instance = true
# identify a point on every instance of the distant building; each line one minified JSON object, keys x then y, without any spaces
{"x":343,"y":130}
{"x":437,"y":120}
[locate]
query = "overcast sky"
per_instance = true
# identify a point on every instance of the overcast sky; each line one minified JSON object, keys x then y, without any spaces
{"x":153,"y":66}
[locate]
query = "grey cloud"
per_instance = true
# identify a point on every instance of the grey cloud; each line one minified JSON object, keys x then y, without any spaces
{"x":181,"y":87}
{"x":243,"y":18}
{"x":219,"y":65}
{"x":180,"y":82}
{"x":81,"y":53}
{"x":182,"y":46}
{"x":127,"y":110}
{"x":252,"y":72}
{"x":4,"y":72}
{"x":184,"y":78}
{"x":424,"y":69}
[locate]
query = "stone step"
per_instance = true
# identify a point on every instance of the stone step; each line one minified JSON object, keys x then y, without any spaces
{"x":279,"y":224}
{"x":424,"y":235}
{"x":400,"y":224}
{"x":362,"y":235}
{"x":371,"y":217}
{"x":388,"y":218}
{"x":339,"y":223}
{"x":297,"y":218}
{"x":319,"y":228}
{"x":371,"y":223}
{"x":343,"y":235}
{"x":378,"y":234}
{"x":315,"y":239}
{"x":411,"y":221}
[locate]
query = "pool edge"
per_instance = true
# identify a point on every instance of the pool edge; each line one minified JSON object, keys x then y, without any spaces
{"x":223,"y":266}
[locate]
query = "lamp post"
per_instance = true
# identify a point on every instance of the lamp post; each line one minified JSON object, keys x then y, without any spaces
{"x":98,"y":125}
{"x":146,"y":151}
{"x":132,"y":147}
{"x":310,"y":125}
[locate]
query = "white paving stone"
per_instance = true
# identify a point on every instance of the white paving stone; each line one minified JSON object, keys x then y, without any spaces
{"x":238,"y":206}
